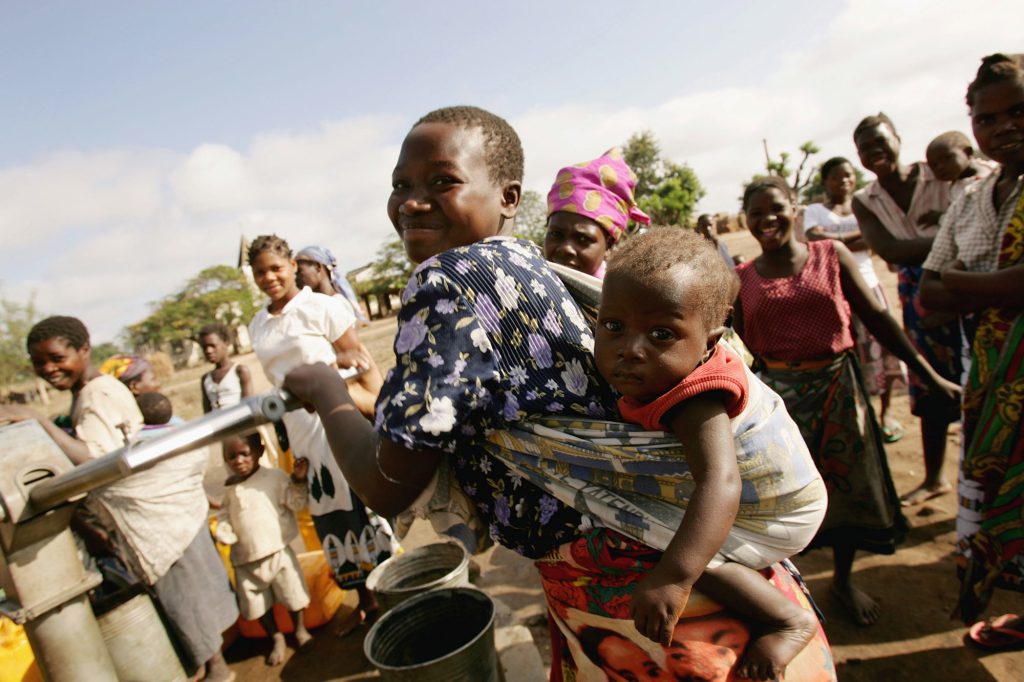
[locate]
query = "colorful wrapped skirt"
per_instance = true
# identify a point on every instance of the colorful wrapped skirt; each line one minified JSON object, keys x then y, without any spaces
{"x":829,"y":402}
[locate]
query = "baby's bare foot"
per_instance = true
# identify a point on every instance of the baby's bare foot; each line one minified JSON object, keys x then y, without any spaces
{"x":303,"y":639}
{"x":863,"y":609}
{"x":276,"y":655}
{"x":767,"y":656}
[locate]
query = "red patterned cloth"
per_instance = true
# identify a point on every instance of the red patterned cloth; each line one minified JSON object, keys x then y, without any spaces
{"x":720,"y":372}
{"x":802,"y":317}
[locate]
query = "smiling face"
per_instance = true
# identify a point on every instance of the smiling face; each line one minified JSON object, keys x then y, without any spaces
{"x":878,"y":148}
{"x":840,"y":182}
{"x":770,"y":216}
{"x":240,"y":457}
{"x":442,"y":194}
{"x":275,"y":276}
{"x":651,"y":335}
{"x":997,"y":119}
{"x":575,"y":241}
{"x":59,"y":363}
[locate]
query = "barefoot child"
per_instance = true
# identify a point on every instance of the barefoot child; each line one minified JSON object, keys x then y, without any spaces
{"x":793,"y":312}
{"x":257,"y":519}
{"x":227,"y":383}
{"x":664,"y":306}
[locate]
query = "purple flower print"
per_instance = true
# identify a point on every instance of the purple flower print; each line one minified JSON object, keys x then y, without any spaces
{"x":540,"y":351}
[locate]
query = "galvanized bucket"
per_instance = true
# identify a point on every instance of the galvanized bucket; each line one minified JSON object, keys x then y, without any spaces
{"x":431,"y":567}
{"x":439,"y":636}
{"x":138,"y":643}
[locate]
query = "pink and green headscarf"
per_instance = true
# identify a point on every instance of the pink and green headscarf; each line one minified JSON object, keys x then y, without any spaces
{"x":601,"y":190}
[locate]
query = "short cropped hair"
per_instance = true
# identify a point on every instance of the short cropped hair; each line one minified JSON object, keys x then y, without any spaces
{"x":59,"y":326}
{"x":878,"y":119}
{"x":217,"y":328}
{"x":996,"y":68}
{"x":832,"y":164}
{"x":648,"y":256}
{"x":951,"y":139}
{"x":268,"y":242}
{"x":254,"y":440}
{"x":501,"y":143}
{"x":767,"y":182}
{"x":155,"y":407}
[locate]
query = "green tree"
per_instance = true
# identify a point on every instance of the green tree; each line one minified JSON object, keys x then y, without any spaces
{"x":780,"y":166}
{"x":220,"y":293}
{"x":391,"y":270}
{"x":666,"y":191}
{"x":16,"y":319}
{"x":532,"y":217}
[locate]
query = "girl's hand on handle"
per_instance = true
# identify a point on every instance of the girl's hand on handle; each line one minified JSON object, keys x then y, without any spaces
{"x":355,"y":357}
{"x":300,"y":470}
{"x":658,"y":602}
{"x":16,"y":413}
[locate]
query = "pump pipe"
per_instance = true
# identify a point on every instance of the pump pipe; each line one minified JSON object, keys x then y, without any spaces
{"x":210,"y":428}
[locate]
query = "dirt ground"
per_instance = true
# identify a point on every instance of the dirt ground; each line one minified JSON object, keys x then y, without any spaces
{"x":913,"y":640}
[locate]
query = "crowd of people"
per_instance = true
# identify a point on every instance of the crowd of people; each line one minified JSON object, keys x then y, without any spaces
{"x":659,"y":427}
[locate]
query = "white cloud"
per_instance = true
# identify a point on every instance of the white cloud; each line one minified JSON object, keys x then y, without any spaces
{"x":101,"y":233}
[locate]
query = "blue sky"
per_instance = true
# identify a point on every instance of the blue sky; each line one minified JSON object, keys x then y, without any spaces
{"x":144,"y":138}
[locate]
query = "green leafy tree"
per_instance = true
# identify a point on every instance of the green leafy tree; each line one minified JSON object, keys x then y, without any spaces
{"x":219,"y":293}
{"x":532,"y":217}
{"x":666,"y":191}
{"x":391,"y":270}
{"x":16,"y":319}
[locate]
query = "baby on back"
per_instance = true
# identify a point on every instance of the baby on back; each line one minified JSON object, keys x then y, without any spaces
{"x":756,"y":496}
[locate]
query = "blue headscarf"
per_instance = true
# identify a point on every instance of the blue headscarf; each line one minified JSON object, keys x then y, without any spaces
{"x":323,"y":256}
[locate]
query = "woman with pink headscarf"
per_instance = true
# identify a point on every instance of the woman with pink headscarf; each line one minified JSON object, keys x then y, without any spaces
{"x":589,"y":208}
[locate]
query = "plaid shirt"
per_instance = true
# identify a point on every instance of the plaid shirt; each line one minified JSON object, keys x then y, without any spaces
{"x":971,"y":229}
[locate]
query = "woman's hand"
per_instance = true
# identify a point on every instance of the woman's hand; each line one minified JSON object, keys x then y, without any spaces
{"x":354,"y":357}
{"x":949,"y":389}
{"x":658,"y":601}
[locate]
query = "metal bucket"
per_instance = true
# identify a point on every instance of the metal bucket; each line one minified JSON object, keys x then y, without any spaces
{"x":431,"y":567}
{"x":439,"y":636}
{"x":138,"y":643}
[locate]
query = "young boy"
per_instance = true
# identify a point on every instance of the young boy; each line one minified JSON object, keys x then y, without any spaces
{"x":257,"y":519}
{"x":756,"y":495}
{"x":951,"y":158}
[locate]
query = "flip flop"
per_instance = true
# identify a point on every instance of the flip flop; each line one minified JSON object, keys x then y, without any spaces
{"x":892,"y":431}
{"x":992,"y":635}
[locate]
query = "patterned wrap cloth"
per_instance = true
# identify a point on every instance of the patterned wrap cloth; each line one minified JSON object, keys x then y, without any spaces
{"x":989,"y":524}
{"x":636,"y":484}
{"x":124,"y":368}
{"x":323,"y":256}
{"x":601,"y":190}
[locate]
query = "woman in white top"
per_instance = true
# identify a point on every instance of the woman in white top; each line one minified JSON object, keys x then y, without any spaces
{"x":834,"y":219}
{"x":301,"y":327}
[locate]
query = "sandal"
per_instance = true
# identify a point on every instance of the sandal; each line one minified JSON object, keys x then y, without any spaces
{"x":892,"y":431}
{"x":993,"y":635}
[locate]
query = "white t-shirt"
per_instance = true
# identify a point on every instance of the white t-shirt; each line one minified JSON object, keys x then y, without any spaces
{"x":819,"y":215}
{"x":302,"y":333}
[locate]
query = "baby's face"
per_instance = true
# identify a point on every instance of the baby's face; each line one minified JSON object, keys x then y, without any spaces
{"x":947,"y":162}
{"x":649,"y":336}
{"x":239,"y":457}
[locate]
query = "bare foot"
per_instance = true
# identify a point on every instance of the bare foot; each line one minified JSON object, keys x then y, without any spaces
{"x":217,"y":670}
{"x":276,"y":655}
{"x":863,"y":609}
{"x":924,"y":492}
{"x":769,"y":653}
{"x":303,"y":639}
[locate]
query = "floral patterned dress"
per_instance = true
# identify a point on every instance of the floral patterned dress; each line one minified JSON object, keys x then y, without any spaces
{"x":488,"y":335}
